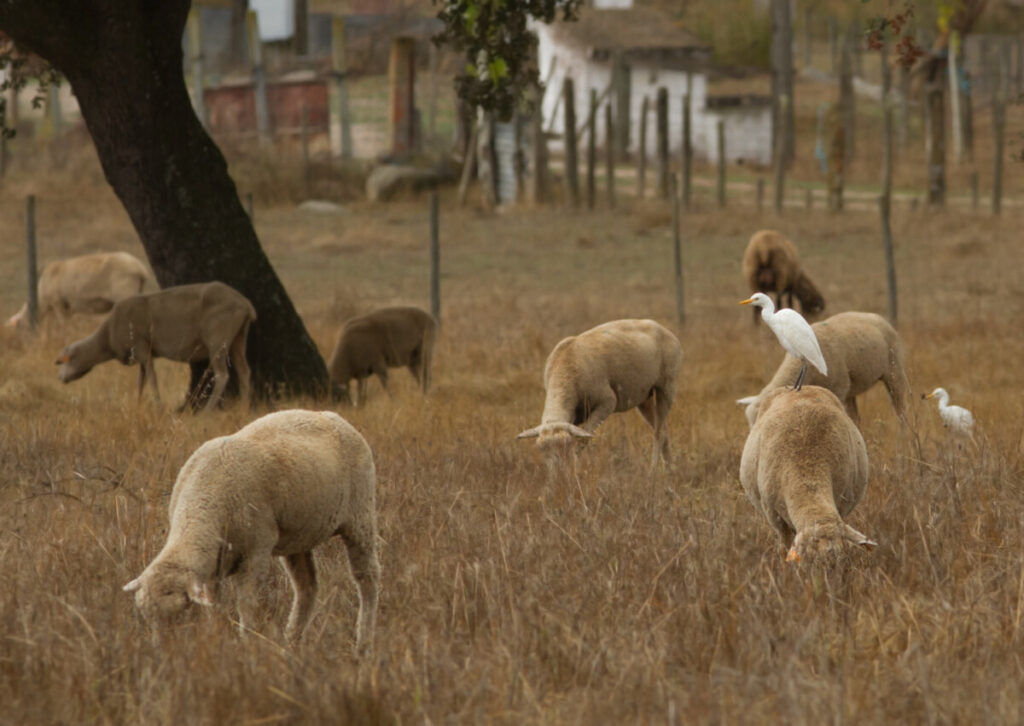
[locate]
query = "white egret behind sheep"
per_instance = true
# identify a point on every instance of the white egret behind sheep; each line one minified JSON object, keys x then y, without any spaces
{"x":794,"y":333}
{"x":956,"y":418}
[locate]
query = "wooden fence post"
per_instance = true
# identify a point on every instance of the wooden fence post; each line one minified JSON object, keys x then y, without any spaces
{"x":847,"y":101}
{"x":721,"y":162}
{"x":641,"y":168}
{"x":572,"y":179}
{"x":259,"y":76}
{"x":592,"y":150}
{"x":30,"y":254}
{"x":807,"y":36}
{"x":999,"y":126}
{"x":972,"y":181}
{"x":540,"y":151}
{"x":956,"y":125}
{"x":435,"y":256}
{"x":622,"y":87}
{"x":662,"y":139}
{"x":780,"y":160}
{"x":401,"y":95}
{"x":904,"y":132}
{"x":339,"y":71}
{"x":609,"y":152}
{"x":760,"y":193}
{"x":935,"y":145}
{"x":687,"y":151}
{"x":836,"y":159}
{"x":677,"y":250}
{"x":833,"y":44}
{"x":885,"y":200}
{"x":304,"y":133}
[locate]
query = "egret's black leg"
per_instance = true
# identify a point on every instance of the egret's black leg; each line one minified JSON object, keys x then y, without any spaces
{"x":800,"y":378}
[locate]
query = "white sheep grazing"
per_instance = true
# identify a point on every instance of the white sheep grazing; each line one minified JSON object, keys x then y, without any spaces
{"x":612,"y":368}
{"x":87,"y":284}
{"x":805,"y":467}
{"x":387,"y":337}
{"x":279,"y":487}
{"x":860,"y":349}
{"x":189,"y":323}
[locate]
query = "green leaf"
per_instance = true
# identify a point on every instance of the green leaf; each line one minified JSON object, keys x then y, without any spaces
{"x":497,"y":69}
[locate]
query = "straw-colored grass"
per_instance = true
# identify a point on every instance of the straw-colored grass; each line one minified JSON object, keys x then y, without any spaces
{"x":613,"y":595}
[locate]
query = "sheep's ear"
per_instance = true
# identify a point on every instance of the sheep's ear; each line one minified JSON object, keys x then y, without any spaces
{"x":578,"y":432}
{"x":746,"y":400}
{"x":530,"y":433}
{"x":858,"y":538}
{"x":133,"y":585}
{"x":199,"y":594}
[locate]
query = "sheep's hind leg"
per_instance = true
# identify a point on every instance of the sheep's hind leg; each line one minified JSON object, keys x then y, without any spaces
{"x":302,"y":571}
{"x":219,"y":366}
{"x":362,"y":557}
{"x":241,"y":365}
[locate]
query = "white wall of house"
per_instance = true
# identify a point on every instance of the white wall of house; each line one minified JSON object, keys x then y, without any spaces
{"x":748,"y":130}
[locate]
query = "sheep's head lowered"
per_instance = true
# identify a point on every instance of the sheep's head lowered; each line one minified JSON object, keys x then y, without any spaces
{"x":555,"y":438}
{"x":165,"y":592}
{"x":74,"y":363}
{"x":824,"y":544}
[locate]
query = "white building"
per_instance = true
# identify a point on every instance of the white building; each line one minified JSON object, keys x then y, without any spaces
{"x":658,"y":52}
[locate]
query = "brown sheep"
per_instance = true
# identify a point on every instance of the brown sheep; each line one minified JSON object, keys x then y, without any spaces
{"x":188,"y":323}
{"x":771,"y":264}
{"x":385,"y":338}
{"x":860,"y":349}
{"x":88,"y":284}
{"x":805,"y":467}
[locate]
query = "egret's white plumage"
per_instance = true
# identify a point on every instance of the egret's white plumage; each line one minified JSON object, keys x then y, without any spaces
{"x":794,"y":333}
{"x":956,"y":418}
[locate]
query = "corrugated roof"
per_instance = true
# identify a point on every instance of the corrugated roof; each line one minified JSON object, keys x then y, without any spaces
{"x":633,"y":29}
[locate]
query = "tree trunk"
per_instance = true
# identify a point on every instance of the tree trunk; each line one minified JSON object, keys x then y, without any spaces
{"x":123,"y":60}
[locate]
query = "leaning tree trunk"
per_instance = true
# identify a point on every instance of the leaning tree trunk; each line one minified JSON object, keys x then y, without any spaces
{"x":123,"y":59}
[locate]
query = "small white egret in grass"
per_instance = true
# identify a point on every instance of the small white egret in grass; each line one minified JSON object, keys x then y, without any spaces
{"x":794,"y":333}
{"x":956,"y":418}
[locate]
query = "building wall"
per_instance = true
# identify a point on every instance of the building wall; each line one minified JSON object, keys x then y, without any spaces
{"x":748,"y":130}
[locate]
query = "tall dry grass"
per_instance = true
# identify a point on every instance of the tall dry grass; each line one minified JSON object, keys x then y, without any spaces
{"x":613,"y":595}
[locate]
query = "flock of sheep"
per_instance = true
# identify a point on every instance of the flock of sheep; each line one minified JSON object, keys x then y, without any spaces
{"x":288,"y":481}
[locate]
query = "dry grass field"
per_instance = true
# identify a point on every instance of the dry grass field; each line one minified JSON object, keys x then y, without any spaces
{"x":615,"y":594}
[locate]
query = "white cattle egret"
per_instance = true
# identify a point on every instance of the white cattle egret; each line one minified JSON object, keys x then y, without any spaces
{"x":956,"y":418}
{"x":794,"y":333}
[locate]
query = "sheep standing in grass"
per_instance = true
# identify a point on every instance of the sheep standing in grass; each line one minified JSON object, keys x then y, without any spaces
{"x":87,"y":284}
{"x":279,"y":487}
{"x":612,"y":368}
{"x":860,"y":349}
{"x":189,"y":323}
{"x":771,"y":264}
{"x":805,"y":467}
{"x":385,"y":338}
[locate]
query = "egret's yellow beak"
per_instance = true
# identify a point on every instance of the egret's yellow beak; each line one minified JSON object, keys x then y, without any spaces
{"x":63,"y":359}
{"x":929,"y":395}
{"x":747,"y":301}
{"x":793,"y":555}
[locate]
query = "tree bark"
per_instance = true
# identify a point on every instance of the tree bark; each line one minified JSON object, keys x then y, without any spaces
{"x":123,"y":59}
